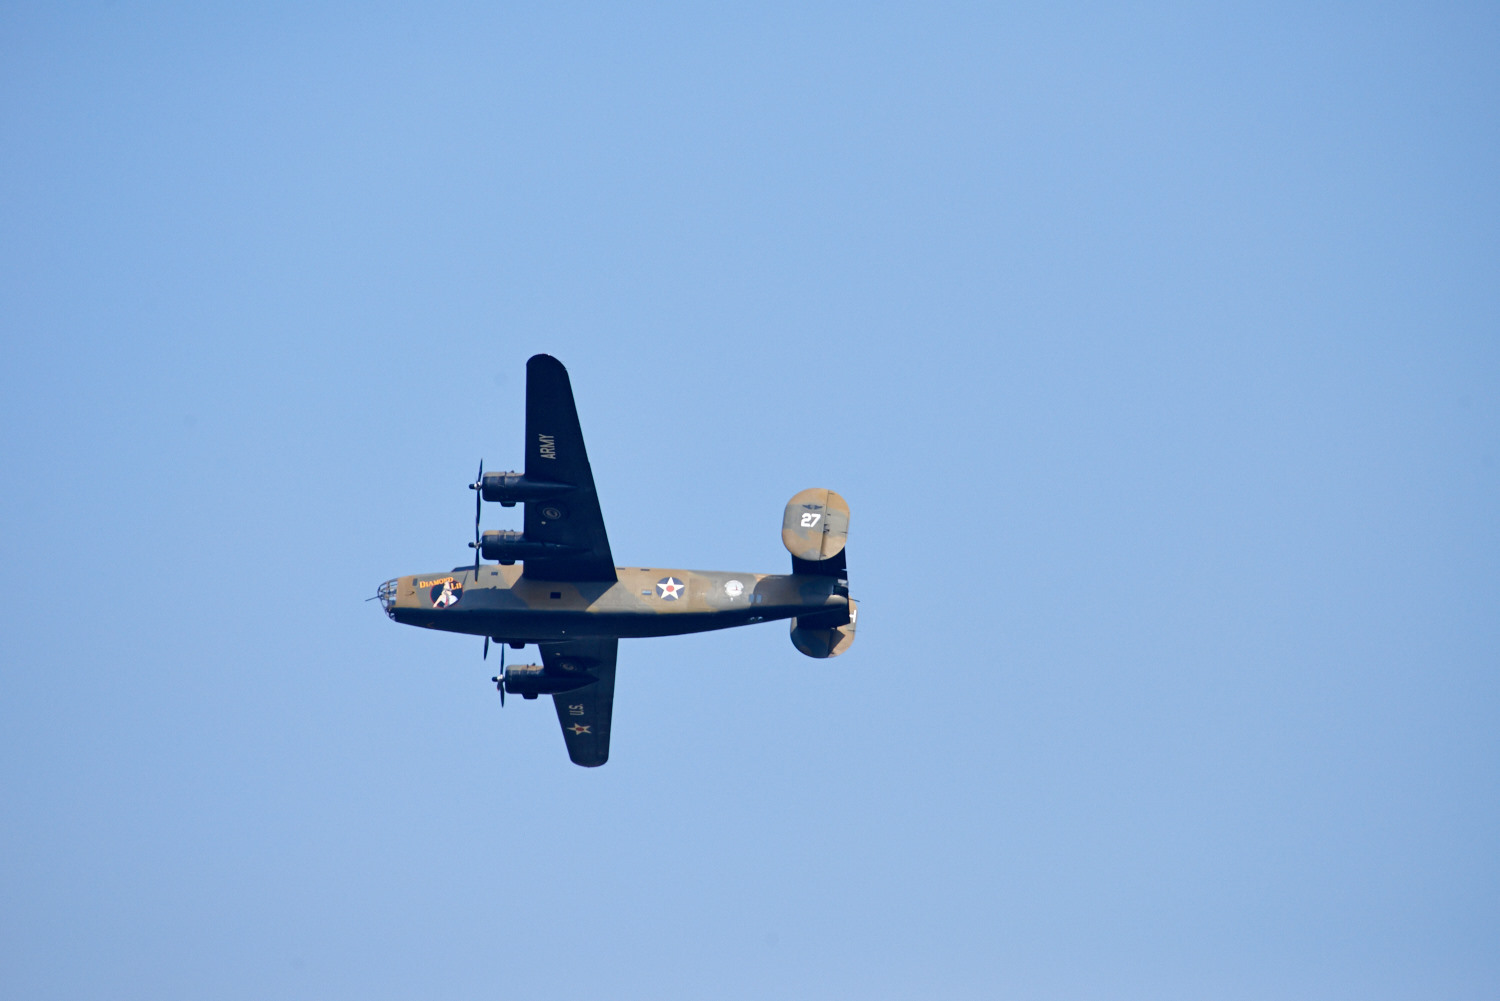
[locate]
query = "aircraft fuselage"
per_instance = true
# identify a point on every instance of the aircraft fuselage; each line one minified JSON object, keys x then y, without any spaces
{"x":508,"y":606}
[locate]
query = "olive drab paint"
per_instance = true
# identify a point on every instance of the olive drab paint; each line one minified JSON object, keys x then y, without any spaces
{"x":826,"y":642}
{"x":570,"y":599}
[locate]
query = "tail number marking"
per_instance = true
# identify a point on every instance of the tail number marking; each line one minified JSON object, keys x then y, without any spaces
{"x":809,"y":519}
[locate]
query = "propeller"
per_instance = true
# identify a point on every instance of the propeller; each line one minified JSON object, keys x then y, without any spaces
{"x":498,"y":679}
{"x":478,"y":487}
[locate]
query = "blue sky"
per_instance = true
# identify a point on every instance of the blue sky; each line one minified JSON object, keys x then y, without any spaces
{"x":1154,"y":348}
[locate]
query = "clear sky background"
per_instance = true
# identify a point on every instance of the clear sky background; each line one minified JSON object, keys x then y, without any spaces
{"x":1154,"y":347}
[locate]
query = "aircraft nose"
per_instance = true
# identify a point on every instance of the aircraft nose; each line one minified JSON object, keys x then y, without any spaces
{"x":387,"y":594}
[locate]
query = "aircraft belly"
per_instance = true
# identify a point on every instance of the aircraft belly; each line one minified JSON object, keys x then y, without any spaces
{"x":625,"y":625}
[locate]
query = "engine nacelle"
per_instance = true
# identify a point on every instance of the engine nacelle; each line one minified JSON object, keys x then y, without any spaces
{"x":828,"y":642}
{"x":510,"y":488}
{"x":531,"y":680}
{"x":507,"y":547}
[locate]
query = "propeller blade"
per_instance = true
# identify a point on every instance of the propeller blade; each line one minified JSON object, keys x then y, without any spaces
{"x":478,"y":497}
{"x":477,"y":486}
{"x":486,"y":649}
{"x":502,"y":675}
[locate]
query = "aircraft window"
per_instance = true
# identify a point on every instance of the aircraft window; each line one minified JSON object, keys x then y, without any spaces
{"x":557,"y":594}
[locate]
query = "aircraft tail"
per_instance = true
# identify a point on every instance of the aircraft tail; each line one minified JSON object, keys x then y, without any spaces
{"x":814,"y":530}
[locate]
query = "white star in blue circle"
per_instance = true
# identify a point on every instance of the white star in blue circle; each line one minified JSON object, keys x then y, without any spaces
{"x":670,"y":588}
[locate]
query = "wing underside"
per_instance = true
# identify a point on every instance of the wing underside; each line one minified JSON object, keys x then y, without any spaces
{"x":555,"y":454}
{"x":584,"y":712}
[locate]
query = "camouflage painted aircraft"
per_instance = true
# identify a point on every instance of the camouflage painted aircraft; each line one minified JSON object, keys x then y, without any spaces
{"x":570,"y":599}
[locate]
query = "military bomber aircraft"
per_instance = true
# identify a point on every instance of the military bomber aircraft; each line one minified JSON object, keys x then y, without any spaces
{"x":570,"y":599}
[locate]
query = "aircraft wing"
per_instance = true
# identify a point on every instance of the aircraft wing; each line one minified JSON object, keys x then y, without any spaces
{"x":584,"y":712}
{"x":555,"y":454}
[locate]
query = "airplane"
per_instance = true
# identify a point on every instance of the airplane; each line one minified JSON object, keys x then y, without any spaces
{"x":570,"y":599}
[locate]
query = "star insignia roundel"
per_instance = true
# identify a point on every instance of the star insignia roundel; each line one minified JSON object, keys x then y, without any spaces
{"x":670,"y":588}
